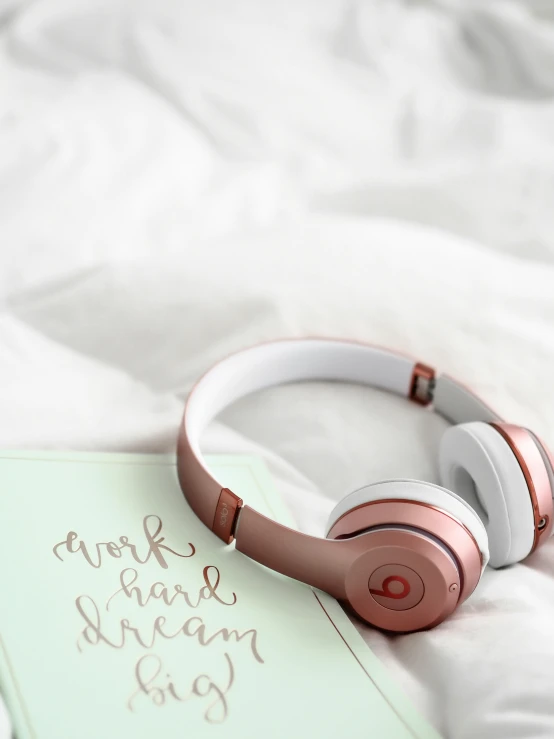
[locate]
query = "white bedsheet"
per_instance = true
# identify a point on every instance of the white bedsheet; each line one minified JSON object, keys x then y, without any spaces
{"x":181,"y":179}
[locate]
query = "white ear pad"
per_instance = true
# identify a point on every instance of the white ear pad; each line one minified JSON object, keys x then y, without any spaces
{"x":478,"y":464}
{"x":421,"y":492}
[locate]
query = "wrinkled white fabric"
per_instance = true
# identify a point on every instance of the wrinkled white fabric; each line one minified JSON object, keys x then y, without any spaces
{"x":182,"y":179}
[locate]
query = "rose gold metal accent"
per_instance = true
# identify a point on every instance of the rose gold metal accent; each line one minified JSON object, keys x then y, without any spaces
{"x":226,"y":513}
{"x":421,"y":384}
{"x":538,"y":440}
{"x":321,"y":563}
{"x":422,"y":516}
{"x":343,"y":567}
{"x":547,"y":452}
{"x":332,"y":565}
{"x":534,"y":471}
{"x":202,"y":491}
{"x":401,"y":500}
{"x":199,"y":487}
{"x":428,"y":561}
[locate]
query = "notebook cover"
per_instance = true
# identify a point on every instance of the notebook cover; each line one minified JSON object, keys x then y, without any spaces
{"x":123,"y":616}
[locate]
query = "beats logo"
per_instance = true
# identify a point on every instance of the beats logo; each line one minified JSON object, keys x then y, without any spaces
{"x":396,"y":587}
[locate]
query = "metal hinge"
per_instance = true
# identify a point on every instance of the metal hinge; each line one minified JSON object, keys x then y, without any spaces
{"x":226,"y":515}
{"x":422,"y":384}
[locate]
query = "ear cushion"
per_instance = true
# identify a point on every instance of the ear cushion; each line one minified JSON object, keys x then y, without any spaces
{"x":421,"y":492}
{"x":478,"y":464}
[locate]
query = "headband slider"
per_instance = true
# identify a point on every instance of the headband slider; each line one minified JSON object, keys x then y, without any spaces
{"x":226,"y":515}
{"x":422,"y":384}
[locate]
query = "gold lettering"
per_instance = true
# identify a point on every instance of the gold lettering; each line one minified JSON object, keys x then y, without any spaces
{"x":128,"y":572}
{"x":148,"y":670}
{"x":152,"y":682}
{"x":94,"y":634}
{"x":113,"y":550}
{"x":145,"y":676}
{"x":154,"y":540}
{"x":225,"y":634}
{"x":212,"y":587}
{"x":220,"y":700}
{"x":159,"y":591}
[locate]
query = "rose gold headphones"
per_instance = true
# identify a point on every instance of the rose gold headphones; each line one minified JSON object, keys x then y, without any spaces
{"x":402,"y":553}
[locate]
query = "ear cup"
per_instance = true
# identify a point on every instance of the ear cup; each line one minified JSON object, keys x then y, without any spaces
{"x":479,"y":465}
{"x":546,"y":458}
{"x":419,"y":492}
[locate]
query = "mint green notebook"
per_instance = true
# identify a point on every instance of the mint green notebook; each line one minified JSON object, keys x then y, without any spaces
{"x":122,"y":616}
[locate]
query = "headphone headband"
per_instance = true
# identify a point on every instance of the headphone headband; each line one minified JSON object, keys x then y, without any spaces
{"x":319,"y":562}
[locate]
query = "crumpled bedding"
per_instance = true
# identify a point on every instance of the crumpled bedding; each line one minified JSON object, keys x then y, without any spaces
{"x":182,"y":179}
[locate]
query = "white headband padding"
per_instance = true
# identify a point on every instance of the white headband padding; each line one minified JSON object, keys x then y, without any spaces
{"x":458,"y":404}
{"x":281,"y":362}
